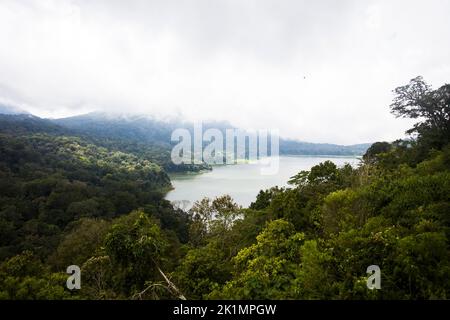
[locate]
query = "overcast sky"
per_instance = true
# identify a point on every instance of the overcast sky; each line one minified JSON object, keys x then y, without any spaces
{"x":319,"y":71}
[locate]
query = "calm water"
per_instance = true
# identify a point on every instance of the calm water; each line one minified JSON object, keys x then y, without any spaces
{"x":241,"y":181}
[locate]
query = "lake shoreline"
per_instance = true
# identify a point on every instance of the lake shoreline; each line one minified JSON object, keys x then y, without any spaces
{"x":243,"y":181}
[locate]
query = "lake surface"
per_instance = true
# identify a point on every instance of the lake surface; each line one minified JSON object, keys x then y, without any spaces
{"x":241,"y":181}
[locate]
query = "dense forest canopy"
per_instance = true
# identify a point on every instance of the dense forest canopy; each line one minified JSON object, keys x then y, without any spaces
{"x":67,"y":199}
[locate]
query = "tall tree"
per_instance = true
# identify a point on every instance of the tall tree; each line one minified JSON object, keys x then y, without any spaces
{"x":417,"y":100}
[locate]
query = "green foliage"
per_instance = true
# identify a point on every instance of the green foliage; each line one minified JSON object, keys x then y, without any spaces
{"x":267,"y":269}
{"x":203,"y":270}
{"x":67,"y":200}
{"x":58,"y":179}
{"x":375,"y":150}
{"x":391,"y":211}
{"x":213,"y":218}
{"x":314,"y":279}
{"x":24,"y":277}
{"x":85,"y":238}
{"x":136,"y":248}
{"x":417,"y":100}
{"x":264,"y":198}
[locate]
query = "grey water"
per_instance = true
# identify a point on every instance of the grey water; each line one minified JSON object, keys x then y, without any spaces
{"x":242,"y":181}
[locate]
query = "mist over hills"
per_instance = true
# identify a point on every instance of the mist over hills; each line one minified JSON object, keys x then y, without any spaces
{"x":9,"y":109}
{"x":150,"y":130}
{"x":107,"y":194}
{"x":139,"y":129}
{"x":140,"y":137}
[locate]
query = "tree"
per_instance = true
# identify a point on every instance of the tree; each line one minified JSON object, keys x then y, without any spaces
{"x":267,"y":269}
{"x":322,"y":173}
{"x":25,"y":277}
{"x":417,"y":100}
{"x":375,"y":150}
{"x":80,"y":243}
{"x":264,"y":198}
{"x":212,"y":218}
{"x":137,"y":249}
{"x":203,"y":270}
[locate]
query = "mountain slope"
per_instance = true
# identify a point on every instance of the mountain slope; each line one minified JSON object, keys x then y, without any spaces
{"x":8,"y":109}
{"x":48,"y":179}
{"x":157,"y":133}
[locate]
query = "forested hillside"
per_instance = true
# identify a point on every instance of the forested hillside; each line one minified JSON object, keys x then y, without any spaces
{"x":147,"y":130}
{"x":65,"y":201}
{"x":49,"y":181}
{"x":110,"y":135}
{"x":316,"y":239}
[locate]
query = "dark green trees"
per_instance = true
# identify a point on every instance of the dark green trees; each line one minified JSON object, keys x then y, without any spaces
{"x":417,"y":100}
{"x":66,"y":201}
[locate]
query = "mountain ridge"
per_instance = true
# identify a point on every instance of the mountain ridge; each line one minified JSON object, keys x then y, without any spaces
{"x":150,"y":129}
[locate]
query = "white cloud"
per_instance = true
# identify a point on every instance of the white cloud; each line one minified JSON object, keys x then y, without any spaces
{"x":319,"y":71}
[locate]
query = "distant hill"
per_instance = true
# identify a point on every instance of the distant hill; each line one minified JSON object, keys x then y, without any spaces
{"x":8,"y":109}
{"x":156,"y":132}
{"x":134,"y":128}
{"x":294,"y":147}
{"x":140,"y":134}
{"x":112,"y":134}
{"x":27,"y":123}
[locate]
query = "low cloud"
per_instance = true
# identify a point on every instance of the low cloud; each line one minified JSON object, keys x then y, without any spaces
{"x":319,"y":71}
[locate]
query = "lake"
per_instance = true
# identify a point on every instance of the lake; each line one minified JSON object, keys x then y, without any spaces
{"x":241,"y":181}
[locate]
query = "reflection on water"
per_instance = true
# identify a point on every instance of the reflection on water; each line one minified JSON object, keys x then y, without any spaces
{"x":241,"y":181}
